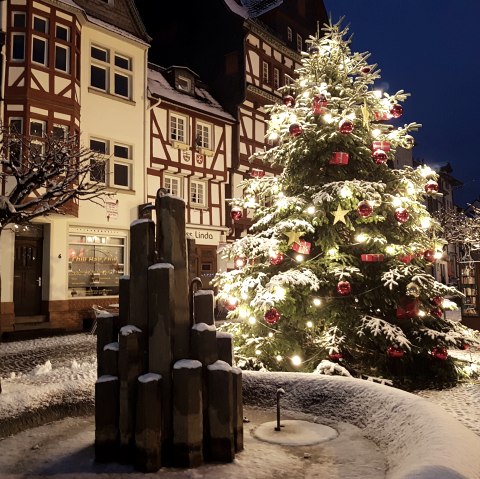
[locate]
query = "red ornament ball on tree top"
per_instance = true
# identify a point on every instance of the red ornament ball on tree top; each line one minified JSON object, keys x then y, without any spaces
{"x":344,"y":288}
{"x":396,"y":111}
{"x":365,"y":70}
{"x":431,"y":186}
{"x":236,"y":214}
{"x":429,"y":255}
{"x":277,"y":258}
{"x":345,"y":127}
{"x":401,"y":215}
{"x":288,"y":100}
{"x":364,"y":209}
{"x":437,"y":312}
{"x":295,"y":129}
{"x":440,"y":353}
{"x":379,"y":157}
{"x":272,"y":316}
{"x":395,"y":352}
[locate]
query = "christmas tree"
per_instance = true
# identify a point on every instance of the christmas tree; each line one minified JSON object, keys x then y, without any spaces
{"x":335,"y":265}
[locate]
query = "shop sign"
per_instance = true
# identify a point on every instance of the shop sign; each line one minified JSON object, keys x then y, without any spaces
{"x":206,"y":237}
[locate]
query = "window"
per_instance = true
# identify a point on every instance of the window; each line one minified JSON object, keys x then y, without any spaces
{"x":40,"y":24}
{"x":19,"y":20}
{"x":60,"y":132}
{"x":184,"y":84}
{"x":299,"y":43}
{"x":62,"y":32}
{"x":178,"y":126}
{"x":39,"y":50}
{"x":203,"y":137}
{"x":288,"y":80}
{"x":18,"y":47}
{"x":265,"y":72}
{"x":102,"y":68}
{"x":62,"y":58}
{"x":37,"y":128}
{"x":197,"y":193}
{"x":15,"y":151}
{"x":96,"y":260}
{"x":173,"y":185}
{"x":289,"y":34}
{"x":276,"y":78}
{"x":98,"y":165}
{"x":122,"y":166}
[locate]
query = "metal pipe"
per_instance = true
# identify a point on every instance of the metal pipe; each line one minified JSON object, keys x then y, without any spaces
{"x":280,"y":391}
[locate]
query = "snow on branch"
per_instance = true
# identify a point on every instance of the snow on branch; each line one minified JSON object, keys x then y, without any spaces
{"x":379,"y":327}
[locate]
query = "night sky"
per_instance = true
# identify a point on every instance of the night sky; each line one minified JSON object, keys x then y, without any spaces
{"x":429,"y":48}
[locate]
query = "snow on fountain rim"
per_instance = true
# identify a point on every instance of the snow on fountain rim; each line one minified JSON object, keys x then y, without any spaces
{"x":187,"y":364}
{"x":149,"y":377}
{"x":204,"y":327}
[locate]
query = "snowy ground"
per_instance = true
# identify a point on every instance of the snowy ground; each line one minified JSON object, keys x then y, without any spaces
{"x":383,"y":432}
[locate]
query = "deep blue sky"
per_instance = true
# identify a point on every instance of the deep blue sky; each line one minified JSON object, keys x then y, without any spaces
{"x":431,"y":49}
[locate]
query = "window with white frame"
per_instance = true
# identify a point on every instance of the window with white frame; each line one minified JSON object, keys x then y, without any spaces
{"x":183,"y":83}
{"x":37,"y":132}
{"x":173,"y":185}
{"x":110,"y":72}
{"x":18,"y":47}
{"x":276,"y":78}
{"x":289,"y":34}
{"x":198,"y":192}
{"x":288,"y":80}
{"x":121,"y":162}
{"x":98,"y":164}
{"x":15,"y":147}
{"x":60,"y":132}
{"x":39,"y":50}
{"x":19,"y":19}
{"x":178,"y":128}
{"x":37,"y":128}
{"x":203,"y":135}
{"x":62,"y":58}
{"x":299,"y":43}
{"x":265,"y":72}
{"x":62,"y":32}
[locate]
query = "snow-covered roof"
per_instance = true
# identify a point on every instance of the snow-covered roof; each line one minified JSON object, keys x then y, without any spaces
{"x":114,"y":29}
{"x":202,"y":101}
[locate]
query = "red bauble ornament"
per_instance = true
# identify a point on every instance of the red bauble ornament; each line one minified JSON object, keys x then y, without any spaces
{"x":335,"y":356}
{"x":319,"y":104}
{"x":236,"y":214}
{"x":295,"y":129}
{"x":395,"y":352}
{"x":277,"y":259}
{"x":429,"y":255}
{"x":345,"y":127}
{"x":365,"y":70}
{"x":364,"y":209}
{"x":440,"y":353}
{"x":407,"y":308}
{"x":379,"y":157}
{"x":437,"y":300}
{"x":344,"y":288}
{"x":431,"y":186}
{"x":401,"y":215}
{"x":437,"y":312}
{"x":272,"y":316}
{"x":464,"y":346}
{"x":288,"y":100}
{"x":396,"y":111}
{"x":231,"y":304}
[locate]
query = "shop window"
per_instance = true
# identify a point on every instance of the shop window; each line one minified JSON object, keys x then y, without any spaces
{"x":95,"y":263}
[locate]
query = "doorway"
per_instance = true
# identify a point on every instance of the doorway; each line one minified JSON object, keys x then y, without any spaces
{"x":27,"y":282}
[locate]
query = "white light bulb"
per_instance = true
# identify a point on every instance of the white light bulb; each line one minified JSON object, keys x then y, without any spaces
{"x":377,"y":94}
{"x":438,"y":254}
{"x":296,"y":360}
{"x":346,"y":192}
{"x":421,"y":313}
{"x":425,"y":222}
{"x":397,"y":202}
{"x":317,"y":301}
{"x":243,"y":313}
{"x":309,"y":324}
{"x":252,"y":320}
{"x":279,"y":358}
{"x":244,"y":295}
{"x":332,"y":251}
{"x":282,"y":203}
{"x":376,"y":132}
{"x":270,"y":335}
{"x":306,"y":94}
{"x":390,"y":250}
{"x":311,"y":210}
{"x":361,"y":238}
{"x":299,"y":258}
{"x":273,"y":136}
{"x":258,"y":352}
{"x":328,"y":118}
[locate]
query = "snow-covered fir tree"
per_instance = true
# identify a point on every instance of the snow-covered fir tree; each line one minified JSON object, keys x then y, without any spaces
{"x":335,"y":263}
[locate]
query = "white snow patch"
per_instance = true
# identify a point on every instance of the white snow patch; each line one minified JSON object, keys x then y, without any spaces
{"x":42,"y":368}
{"x":129,"y":329}
{"x":106,"y":378}
{"x":187,"y":364}
{"x":203,"y":292}
{"x":236,"y":370}
{"x":149,"y":377}
{"x":111,"y":347}
{"x":224,"y":335}
{"x":161,"y":266}
{"x":204,"y":327}
{"x":140,"y":221}
{"x":219,"y":366}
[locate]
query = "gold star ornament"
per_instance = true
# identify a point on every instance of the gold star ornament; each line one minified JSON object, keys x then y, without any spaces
{"x":294,"y":237}
{"x":339,"y":215}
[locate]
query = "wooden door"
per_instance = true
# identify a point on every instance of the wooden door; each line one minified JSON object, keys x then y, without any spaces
{"x":27,"y":284}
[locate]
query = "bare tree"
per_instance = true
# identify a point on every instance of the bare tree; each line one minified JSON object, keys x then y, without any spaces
{"x":45,"y":175}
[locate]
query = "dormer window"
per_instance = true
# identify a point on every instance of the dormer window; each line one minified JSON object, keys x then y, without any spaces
{"x":184,"y":84}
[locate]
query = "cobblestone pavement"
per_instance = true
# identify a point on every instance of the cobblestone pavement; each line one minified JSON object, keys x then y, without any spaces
{"x":462,"y":401}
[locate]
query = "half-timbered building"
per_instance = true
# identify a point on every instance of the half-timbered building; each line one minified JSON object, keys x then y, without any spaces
{"x":190,"y":156}
{"x":73,"y":67}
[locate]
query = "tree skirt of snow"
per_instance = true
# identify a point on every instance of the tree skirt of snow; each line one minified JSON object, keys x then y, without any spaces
{"x":294,"y":432}
{"x":418,"y":438}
